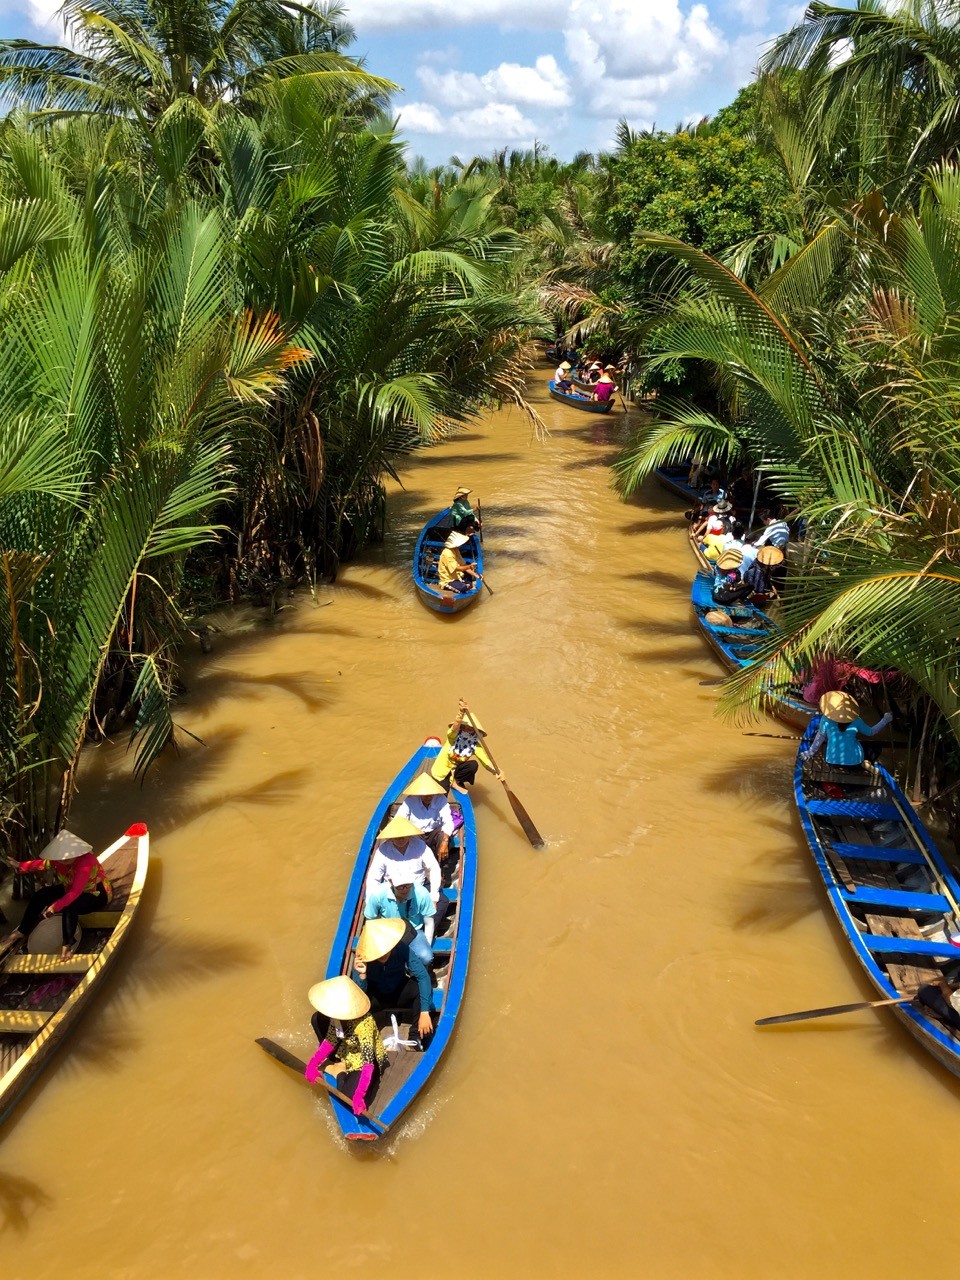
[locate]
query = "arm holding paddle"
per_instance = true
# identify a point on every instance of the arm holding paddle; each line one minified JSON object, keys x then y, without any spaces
{"x":529,"y":830}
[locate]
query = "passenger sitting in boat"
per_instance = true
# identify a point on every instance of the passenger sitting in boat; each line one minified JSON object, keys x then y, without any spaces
{"x":715,"y":529}
{"x":349,"y":1035}
{"x":458,"y":759}
{"x":605,"y":387}
{"x":429,"y":813}
{"x":560,"y":379}
{"x":734,"y":541}
{"x":728,"y":584}
{"x":776,"y":534}
{"x":462,"y":516}
{"x":400,"y":841}
{"x":841,"y":728}
{"x":453,"y":572}
{"x":81,"y":887}
{"x":398,"y":897}
{"x":760,"y":575}
{"x":392,"y":974}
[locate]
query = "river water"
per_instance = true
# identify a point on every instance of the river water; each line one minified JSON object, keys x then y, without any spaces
{"x":607,"y":1106}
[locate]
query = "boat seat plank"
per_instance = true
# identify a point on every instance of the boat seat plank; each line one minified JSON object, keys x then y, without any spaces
{"x":893,"y":926}
{"x":41,"y":964}
{"x":904,"y":898}
{"x":879,"y":853}
{"x":853,"y":809}
{"x":100,"y":920}
{"x":23,"y":1022}
{"x":442,"y":946}
{"x":909,"y":947}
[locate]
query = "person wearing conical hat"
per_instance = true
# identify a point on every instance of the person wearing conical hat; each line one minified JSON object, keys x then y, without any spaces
{"x":425,"y":804}
{"x":453,"y":572}
{"x":457,"y":762}
{"x":349,"y":1036}
{"x":715,"y":528}
{"x":80,"y":887}
{"x":391,"y":972}
{"x":561,"y":379}
{"x":463,"y":518}
{"x":401,"y":842}
{"x":841,"y":728}
{"x":399,"y":897}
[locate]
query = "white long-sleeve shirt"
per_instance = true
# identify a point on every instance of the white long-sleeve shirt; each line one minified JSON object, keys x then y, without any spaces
{"x":428,"y":818}
{"x":417,"y":854}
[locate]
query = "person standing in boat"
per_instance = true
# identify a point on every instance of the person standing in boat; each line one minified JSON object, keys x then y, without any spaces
{"x":400,"y":898}
{"x":392,"y":974}
{"x":80,"y":887}
{"x":348,"y":1035}
{"x":462,"y":754}
{"x":400,"y":842}
{"x":463,"y":518}
{"x":841,"y":728}
{"x":453,"y":572}
{"x":425,"y":804}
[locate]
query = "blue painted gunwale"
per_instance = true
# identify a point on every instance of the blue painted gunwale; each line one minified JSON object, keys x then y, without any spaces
{"x":579,"y":402}
{"x":341,"y":952}
{"x":428,"y":592}
{"x":935,"y":1037}
{"x":673,"y":478}
{"x":735,"y":653}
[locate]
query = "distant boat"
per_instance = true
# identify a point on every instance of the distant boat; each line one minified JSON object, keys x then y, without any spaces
{"x":409,"y":1071}
{"x":42,"y":996}
{"x":889,"y":886}
{"x":425,"y":576}
{"x":580,"y":402}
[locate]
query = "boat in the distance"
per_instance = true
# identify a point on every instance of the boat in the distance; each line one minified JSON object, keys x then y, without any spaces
{"x":42,"y":996}
{"x":580,"y":401}
{"x":409,"y":1070}
{"x":425,"y":576}
{"x":890,"y":888}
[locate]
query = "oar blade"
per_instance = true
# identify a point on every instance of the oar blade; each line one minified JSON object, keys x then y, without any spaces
{"x":529,"y":830}
{"x":282,"y":1055}
{"x":828,"y":1012}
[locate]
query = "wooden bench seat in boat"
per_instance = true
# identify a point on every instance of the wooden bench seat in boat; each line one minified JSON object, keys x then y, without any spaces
{"x":896,"y":946}
{"x":41,"y":964}
{"x":860,"y":809}
{"x":23,"y":1022}
{"x":879,"y":853}
{"x":868,"y":895}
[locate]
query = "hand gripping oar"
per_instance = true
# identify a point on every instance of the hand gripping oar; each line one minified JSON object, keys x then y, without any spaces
{"x":830,"y":1011}
{"x":529,"y":830}
{"x":289,"y":1060}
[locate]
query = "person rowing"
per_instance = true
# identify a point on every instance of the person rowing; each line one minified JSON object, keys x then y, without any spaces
{"x":462,"y":753}
{"x":349,"y":1036}
{"x":463,"y":518}
{"x":80,"y":887}
{"x":400,"y":842}
{"x":605,"y":388}
{"x":425,"y":804}
{"x":453,"y":572}
{"x":841,"y":728}
{"x":392,"y":974}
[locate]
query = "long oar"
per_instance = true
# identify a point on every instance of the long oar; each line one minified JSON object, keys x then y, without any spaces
{"x":289,"y":1060}
{"x":830,"y":1011}
{"x":529,"y":830}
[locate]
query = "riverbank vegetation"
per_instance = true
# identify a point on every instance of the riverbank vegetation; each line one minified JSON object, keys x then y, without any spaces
{"x":228,"y":311}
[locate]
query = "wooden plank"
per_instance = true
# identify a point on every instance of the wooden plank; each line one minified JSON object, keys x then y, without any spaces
{"x":880,"y":853}
{"x":900,"y":946}
{"x":905,"y":898}
{"x":23,"y":1022}
{"x":893,"y":926}
{"x":100,"y":920}
{"x":47,"y":964}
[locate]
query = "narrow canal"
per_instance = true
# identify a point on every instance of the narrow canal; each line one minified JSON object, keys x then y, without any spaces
{"x":607,"y":1106}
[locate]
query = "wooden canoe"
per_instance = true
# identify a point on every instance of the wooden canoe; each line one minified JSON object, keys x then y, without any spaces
{"x":409,"y":1071}
{"x":889,"y":886}
{"x":584,"y":403}
{"x":736,"y":644}
{"x":42,"y":996}
{"x":425,"y":557}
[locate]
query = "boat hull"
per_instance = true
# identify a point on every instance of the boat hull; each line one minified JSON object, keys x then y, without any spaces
{"x":425,"y":556}
{"x":579,"y":402}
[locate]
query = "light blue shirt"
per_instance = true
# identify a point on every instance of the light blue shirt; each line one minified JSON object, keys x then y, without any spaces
{"x":381,"y":904}
{"x":843,"y":740}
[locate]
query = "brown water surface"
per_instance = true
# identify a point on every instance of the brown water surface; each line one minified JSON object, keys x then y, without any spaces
{"x":607,"y":1106}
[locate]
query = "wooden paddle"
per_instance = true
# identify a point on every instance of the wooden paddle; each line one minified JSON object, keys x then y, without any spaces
{"x":289,"y":1060}
{"x":830,"y":1011}
{"x":480,"y":522}
{"x":529,"y":830}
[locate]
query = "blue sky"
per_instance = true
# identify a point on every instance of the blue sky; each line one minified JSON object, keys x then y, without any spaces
{"x":481,"y":74}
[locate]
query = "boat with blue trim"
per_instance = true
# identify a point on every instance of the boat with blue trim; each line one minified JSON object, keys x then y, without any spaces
{"x":582,"y":402}
{"x":425,"y":576}
{"x":890,"y":888}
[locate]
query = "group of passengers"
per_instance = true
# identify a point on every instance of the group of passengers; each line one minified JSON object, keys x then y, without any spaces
{"x":456,"y":574}
{"x":402,"y":905}
{"x":590,"y":373}
{"x":746,"y":566}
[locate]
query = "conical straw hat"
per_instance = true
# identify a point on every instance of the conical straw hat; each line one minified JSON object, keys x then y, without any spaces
{"x":463,"y":492}
{"x":718,"y":618}
{"x":424,"y":785}
{"x":839,"y":707}
{"x":379,"y":937}
{"x":65,"y":847}
{"x":770,"y":556}
{"x":339,"y":998}
{"x":455,"y":540}
{"x":398,"y":827}
{"x":731,"y":559}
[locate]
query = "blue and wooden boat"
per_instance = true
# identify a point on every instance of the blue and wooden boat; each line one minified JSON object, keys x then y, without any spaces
{"x":580,"y":402}
{"x":736,"y":643}
{"x":676,"y":479}
{"x":889,"y":886}
{"x":425,"y":557}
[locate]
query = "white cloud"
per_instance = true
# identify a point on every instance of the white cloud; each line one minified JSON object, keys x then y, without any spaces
{"x":392,"y":15}
{"x":494,"y":124}
{"x":542,"y":85}
{"x":420,"y":117}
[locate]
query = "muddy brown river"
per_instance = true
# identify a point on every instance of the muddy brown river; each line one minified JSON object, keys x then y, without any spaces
{"x":607,"y":1107}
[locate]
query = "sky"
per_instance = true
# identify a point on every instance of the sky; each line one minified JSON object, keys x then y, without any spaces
{"x":478,"y":75}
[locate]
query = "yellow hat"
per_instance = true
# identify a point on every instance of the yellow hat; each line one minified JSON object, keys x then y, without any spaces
{"x":379,"y":937}
{"x":770,"y":557}
{"x":718,"y":618}
{"x":339,"y":998}
{"x":424,"y":785}
{"x":839,"y":707}
{"x":462,"y":491}
{"x":730,"y":559}
{"x":398,"y":828}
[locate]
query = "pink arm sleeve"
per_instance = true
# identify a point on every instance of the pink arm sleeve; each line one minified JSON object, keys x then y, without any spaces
{"x":363,"y":1084}
{"x":35,"y":864}
{"x":312,"y":1072}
